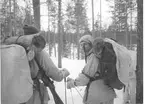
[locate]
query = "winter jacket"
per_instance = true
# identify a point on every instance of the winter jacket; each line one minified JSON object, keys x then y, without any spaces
{"x":50,"y":69}
{"x":98,"y":91}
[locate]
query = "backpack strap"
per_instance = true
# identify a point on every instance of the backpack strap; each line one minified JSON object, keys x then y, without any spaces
{"x":93,"y":78}
{"x":86,"y":55}
{"x":18,"y":38}
{"x":88,"y":85}
{"x":37,"y":84}
{"x":86,"y":75}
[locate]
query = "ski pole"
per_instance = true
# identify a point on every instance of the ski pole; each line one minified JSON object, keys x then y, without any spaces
{"x":72,"y":96}
{"x":78,"y":92}
{"x":65,"y":90}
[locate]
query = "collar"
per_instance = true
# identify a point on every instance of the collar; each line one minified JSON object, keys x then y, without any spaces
{"x":89,"y":53}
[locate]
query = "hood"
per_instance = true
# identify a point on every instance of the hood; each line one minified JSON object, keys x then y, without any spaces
{"x":86,"y":39}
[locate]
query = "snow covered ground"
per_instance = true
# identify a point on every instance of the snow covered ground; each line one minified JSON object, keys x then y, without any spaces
{"x":75,"y":67}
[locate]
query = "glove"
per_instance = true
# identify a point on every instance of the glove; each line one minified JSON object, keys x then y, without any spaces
{"x":65,"y":72}
{"x":70,"y":83}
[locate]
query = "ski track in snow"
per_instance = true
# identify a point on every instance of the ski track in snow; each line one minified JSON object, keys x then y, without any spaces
{"x":74,"y":67}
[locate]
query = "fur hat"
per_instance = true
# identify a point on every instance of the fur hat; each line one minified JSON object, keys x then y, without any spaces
{"x":30,"y":30}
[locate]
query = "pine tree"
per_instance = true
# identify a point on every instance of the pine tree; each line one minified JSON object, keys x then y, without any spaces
{"x":49,"y":3}
{"x":77,"y":19}
{"x":121,"y":11}
{"x":28,"y":17}
{"x":11,"y":19}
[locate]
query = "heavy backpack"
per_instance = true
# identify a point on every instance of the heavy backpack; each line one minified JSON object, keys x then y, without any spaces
{"x":16,"y":82}
{"x":107,"y":63}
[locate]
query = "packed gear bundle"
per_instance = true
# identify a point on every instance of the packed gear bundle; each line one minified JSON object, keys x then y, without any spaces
{"x":26,"y":41}
{"x":124,"y":61}
{"x":115,"y":62}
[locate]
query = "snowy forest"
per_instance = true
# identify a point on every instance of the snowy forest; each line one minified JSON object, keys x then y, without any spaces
{"x":67,"y":21}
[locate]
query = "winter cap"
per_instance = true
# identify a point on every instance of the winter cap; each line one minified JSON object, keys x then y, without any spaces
{"x":98,"y":40}
{"x":86,"y":39}
{"x":98,"y":45}
{"x":28,"y":29}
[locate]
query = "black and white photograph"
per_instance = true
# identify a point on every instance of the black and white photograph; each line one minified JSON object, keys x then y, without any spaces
{"x":71,"y":51}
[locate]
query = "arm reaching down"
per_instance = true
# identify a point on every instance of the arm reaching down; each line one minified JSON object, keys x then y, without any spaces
{"x":49,"y":67}
{"x":88,"y":71}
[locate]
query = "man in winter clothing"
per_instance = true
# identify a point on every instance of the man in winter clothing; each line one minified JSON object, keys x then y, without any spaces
{"x":96,"y":91}
{"x":43,"y":57}
{"x":46,"y":64}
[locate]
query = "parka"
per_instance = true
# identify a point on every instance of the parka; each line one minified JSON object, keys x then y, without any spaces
{"x":96,"y":92}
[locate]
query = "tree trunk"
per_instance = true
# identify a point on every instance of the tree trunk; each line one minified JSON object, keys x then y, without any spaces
{"x":78,"y":37}
{"x":36,"y":10}
{"x":49,"y":42}
{"x":115,"y":4}
{"x":73,"y":42}
{"x":100,"y":18}
{"x":93,"y":34}
{"x":49,"y":30}
{"x":130,"y":35}
{"x":59,"y":35}
{"x":139,"y":72}
{"x":10,"y":20}
{"x":54,"y":41}
{"x":28,"y":17}
{"x":77,"y":30}
{"x":14,"y":25}
{"x":62,"y":38}
{"x":126,"y":25}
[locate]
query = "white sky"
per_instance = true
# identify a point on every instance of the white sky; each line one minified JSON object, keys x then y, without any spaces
{"x":106,"y":16}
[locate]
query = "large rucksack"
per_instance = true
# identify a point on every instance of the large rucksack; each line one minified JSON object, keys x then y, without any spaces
{"x":16,"y":82}
{"x":107,"y":63}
